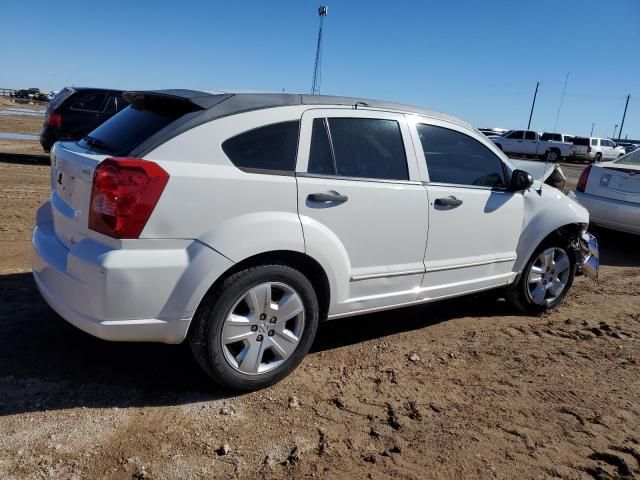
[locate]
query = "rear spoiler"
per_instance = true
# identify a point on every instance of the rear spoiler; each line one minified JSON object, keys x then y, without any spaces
{"x":192,"y":99}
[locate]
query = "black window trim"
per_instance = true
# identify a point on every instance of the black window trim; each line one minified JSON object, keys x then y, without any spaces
{"x":505,"y":171}
{"x":326,"y":118}
{"x":267,"y":171}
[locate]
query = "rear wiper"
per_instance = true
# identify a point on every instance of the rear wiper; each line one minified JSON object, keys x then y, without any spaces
{"x":96,"y":142}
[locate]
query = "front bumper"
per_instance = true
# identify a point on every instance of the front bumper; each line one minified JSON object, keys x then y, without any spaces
{"x":588,"y":256}
{"x":145,"y":293}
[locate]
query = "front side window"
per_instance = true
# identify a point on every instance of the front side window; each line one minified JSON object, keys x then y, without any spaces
{"x":530,"y":135}
{"x":455,"y":158}
{"x":517,"y":135}
{"x":359,"y":148}
{"x":90,"y":103}
{"x":273,"y":147}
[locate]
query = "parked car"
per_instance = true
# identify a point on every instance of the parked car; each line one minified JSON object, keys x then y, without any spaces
{"x":493,"y":131}
{"x":528,"y":142}
{"x":237,"y":222}
{"x":596,"y":149}
{"x":632,"y":147}
{"x":76,"y":111}
{"x":26,"y":93}
{"x":611,"y":193}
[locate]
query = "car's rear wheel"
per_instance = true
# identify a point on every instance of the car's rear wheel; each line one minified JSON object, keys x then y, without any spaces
{"x":546,"y":278}
{"x":597,"y":158}
{"x":551,"y":156}
{"x":255,"y":327}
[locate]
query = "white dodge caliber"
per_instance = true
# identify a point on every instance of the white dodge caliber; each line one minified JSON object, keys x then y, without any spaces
{"x":237,"y":222}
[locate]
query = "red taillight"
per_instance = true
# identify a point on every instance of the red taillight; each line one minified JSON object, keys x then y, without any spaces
{"x":589,"y":149}
{"x":124,"y":193}
{"x":582,"y":181}
{"x":55,"y":120}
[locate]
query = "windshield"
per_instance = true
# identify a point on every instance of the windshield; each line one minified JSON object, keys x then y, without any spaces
{"x":632,"y":158}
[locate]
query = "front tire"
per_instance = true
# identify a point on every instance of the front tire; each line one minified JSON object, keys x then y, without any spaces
{"x":255,"y":327}
{"x":546,"y":278}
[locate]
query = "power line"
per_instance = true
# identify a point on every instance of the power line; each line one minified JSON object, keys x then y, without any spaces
{"x":561,"y":99}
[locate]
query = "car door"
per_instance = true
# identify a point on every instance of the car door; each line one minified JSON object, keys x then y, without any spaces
{"x":530,"y":143}
{"x":514,"y":142}
{"x":474,"y":220}
{"x":362,"y":206}
{"x":608,"y":151}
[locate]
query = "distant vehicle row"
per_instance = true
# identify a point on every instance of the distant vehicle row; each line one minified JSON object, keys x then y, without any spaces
{"x":555,"y":146}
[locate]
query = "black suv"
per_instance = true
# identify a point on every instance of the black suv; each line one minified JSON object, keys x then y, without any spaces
{"x":75,"y":111}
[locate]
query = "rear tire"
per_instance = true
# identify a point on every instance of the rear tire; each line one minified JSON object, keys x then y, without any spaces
{"x":597,"y":158}
{"x":236,"y":335}
{"x":546,"y":278}
{"x":552,"y":156}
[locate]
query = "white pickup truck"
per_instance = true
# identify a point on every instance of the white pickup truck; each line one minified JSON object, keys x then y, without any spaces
{"x":527,"y":142}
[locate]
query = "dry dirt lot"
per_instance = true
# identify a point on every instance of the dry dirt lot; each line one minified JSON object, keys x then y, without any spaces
{"x":465,"y":388}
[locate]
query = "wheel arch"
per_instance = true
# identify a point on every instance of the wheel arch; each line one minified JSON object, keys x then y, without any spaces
{"x":567,"y":232}
{"x":304,"y":263}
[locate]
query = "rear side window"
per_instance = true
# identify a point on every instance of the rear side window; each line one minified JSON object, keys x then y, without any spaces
{"x":90,"y":103}
{"x":321,"y":159}
{"x":270,"y":148}
{"x":518,"y":134}
{"x":530,"y":135}
{"x":594,"y":142}
{"x":455,"y":158}
{"x":368,"y":148}
{"x":115,"y":104}
{"x":130,"y":127}
{"x":581,"y":141}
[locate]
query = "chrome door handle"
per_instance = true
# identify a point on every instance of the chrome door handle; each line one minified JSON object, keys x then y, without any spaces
{"x":327,"y":197}
{"x":449,"y":201}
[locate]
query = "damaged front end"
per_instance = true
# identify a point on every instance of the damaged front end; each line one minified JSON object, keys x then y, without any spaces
{"x":587,"y":255}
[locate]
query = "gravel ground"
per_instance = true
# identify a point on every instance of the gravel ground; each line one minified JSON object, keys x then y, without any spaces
{"x":465,"y":388}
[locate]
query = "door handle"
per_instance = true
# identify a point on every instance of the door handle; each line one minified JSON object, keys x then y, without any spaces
{"x":327,"y":197}
{"x":449,"y":201}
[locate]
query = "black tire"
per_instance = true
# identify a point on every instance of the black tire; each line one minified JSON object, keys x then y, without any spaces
{"x":517,"y":293}
{"x":206,"y":328}
{"x":597,"y":158}
{"x":548,"y":157}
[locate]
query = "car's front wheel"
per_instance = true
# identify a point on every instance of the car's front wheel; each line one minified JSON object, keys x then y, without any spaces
{"x":255,"y":327}
{"x":545,"y":280}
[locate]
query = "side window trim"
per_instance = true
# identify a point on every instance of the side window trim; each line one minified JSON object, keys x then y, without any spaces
{"x":327,"y":129}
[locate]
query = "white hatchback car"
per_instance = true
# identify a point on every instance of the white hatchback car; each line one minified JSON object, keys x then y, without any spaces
{"x":239,"y":221}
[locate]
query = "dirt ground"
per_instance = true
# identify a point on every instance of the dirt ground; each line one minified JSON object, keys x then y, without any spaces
{"x":465,"y":388}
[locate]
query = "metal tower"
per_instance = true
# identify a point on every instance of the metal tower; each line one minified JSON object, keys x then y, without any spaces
{"x":317,"y":70}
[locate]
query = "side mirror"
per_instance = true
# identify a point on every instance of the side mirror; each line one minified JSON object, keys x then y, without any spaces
{"x":520,"y":181}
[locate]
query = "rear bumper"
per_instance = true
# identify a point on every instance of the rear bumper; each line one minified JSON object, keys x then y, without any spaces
{"x":614,"y":214}
{"x":141,"y":294}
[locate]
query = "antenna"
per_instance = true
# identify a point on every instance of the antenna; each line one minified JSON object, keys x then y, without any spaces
{"x":317,"y":70}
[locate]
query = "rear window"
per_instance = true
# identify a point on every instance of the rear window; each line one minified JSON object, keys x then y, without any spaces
{"x":60,"y":97}
{"x":271,"y":148}
{"x":130,"y":127}
{"x":581,"y":141}
{"x":90,"y":103}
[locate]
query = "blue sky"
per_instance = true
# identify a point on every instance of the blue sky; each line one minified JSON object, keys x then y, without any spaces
{"x":478,"y":60}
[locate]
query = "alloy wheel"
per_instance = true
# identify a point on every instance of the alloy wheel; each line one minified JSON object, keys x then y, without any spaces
{"x":548,"y":276}
{"x":263,"y":328}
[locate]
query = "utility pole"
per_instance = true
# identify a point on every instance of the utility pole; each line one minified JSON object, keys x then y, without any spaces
{"x":593,"y":124}
{"x":614,"y":132}
{"x":561,"y":100}
{"x":533,"y":104}
{"x":624,"y":115}
{"x":317,"y":70}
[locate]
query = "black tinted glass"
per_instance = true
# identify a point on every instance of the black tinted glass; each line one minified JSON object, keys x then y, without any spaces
{"x":453,"y":157}
{"x":111,"y":106}
{"x":320,"y":158}
{"x":546,"y":136}
{"x":516,"y":134}
{"x":92,"y":103}
{"x":267,"y":148}
{"x":129,"y":128}
{"x":529,"y":135}
{"x":368,"y":148}
{"x":581,"y":141}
